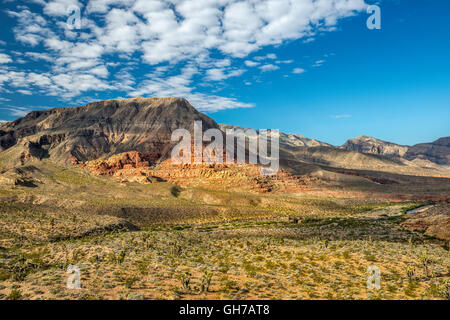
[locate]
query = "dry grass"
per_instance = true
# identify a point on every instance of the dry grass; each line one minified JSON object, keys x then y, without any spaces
{"x":205,"y":244}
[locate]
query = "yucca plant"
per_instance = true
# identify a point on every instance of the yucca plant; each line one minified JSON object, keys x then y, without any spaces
{"x":206,"y":281}
{"x":425,"y":261}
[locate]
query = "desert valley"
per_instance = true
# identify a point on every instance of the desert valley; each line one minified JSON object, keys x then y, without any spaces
{"x":94,"y":187}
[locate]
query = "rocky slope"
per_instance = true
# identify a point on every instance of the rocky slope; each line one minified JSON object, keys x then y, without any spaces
{"x":119,"y":135}
{"x":365,"y":144}
{"x":437,"y":152}
{"x":286,"y":139}
{"x":99,"y":129}
{"x":433,"y":222}
{"x":135,"y":167}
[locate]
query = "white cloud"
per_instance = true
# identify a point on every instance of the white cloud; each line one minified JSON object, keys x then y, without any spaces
{"x":18,"y":111}
{"x":284,"y":61}
{"x":25,"y":92}
{"x":318,"y":63}
{"x":102,"y":6}
{"x":39,"y":56}
{"x":208,"y":36}
{"x":222,"y":74}
{"x":180,"y":86}
{"x":298,"y":70}
{"x":32,"y":28}
{"x":4,"y":58}
{"x":250,"y":63}
{"x":60,"y":7}
{"x":341,"y":116}
{"x":269,"y":67}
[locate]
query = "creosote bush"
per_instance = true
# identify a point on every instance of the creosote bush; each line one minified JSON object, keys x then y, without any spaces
{"x":175,"y":191}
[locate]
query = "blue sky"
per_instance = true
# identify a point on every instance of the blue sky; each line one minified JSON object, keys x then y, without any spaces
{"x":308,"y":67}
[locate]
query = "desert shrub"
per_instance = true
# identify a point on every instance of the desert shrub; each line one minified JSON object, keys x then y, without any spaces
{"x":270,"y":265}
{"x":370,"y":256}
{"x":443,"y":290}
{"x":346,"y":254}
{"x":121,"y":257}
{"x":4,"y":275}
{"x":15,"y":294}
{"x":142,"y":267}
{"x":175,"y":249}
{"x":410,"y":289}
{"x":231,"y":285}
{"x":117,"y":258}
{"x":175,"y":191}
{"x":130,"y":281}
{"x":250,"y":269}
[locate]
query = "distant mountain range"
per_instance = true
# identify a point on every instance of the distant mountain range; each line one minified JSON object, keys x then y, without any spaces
{"x":105,"y":128}
{"x":437,"y":152}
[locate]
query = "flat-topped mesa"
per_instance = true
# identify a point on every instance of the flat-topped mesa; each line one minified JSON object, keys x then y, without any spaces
{"x":104,"y":128}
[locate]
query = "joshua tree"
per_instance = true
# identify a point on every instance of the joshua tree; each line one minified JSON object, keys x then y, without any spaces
{"x":446,"y":290}
{"x":425,"y":261}
{"x":206,"y":281}
{"x":185,"y":280}
{"x":410,"y":273}
{"x":121,"y":257}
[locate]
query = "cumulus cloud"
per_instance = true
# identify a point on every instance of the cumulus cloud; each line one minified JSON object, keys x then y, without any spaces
{"x":269,"y":67}
{"x":4,"y":58}
{"x":209,"y":40}
{"x":218,"y":74}
{"x":250,"y":63}
{"x":60,"y":7}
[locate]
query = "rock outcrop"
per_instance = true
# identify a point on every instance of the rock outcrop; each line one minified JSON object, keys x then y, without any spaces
{"x":437,"y":151}
{"x":434,"y":222}
{"x":365,"y":144}
{"x":139,"y":167}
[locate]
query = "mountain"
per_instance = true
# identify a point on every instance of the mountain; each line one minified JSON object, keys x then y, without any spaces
{"x":286,"y":139}
{"x":365,"y":144}
{"x":304,"y":156}
{"x":105,"y":128}
{"x":113,"y":135}
{"x":437,"y":152}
